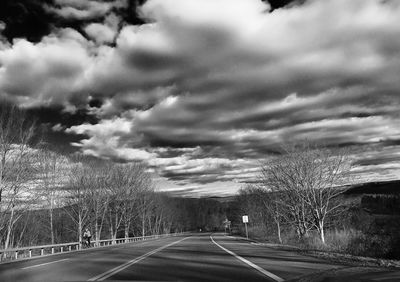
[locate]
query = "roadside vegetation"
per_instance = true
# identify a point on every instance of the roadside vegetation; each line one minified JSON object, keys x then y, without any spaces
{"x":47,"y":197}
{"x":306,"y":198}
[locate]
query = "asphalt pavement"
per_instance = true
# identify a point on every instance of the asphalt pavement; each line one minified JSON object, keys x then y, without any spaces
{"x":199,"y":257}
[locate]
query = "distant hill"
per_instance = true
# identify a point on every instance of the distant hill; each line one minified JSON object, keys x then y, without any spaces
{"x":368,"y":188}
{"x":222,"y":199}
{"x":386,"y":187}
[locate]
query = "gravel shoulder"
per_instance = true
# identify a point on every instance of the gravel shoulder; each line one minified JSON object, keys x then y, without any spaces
{"x":340,"y":258}
{"x":354,"y":268}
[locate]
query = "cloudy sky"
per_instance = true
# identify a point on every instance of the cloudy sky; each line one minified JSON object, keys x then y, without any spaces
{"x":203,"y":90}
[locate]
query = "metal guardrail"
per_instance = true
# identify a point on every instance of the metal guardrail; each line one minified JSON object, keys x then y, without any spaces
{"x":34,"y":251}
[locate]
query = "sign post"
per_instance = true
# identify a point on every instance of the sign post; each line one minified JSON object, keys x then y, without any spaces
{"x":245,"y":219}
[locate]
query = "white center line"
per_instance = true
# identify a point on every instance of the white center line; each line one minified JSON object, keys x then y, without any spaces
{"x":262,"y":270}
{"x":46,"y":263}
{"x":121,"y":267}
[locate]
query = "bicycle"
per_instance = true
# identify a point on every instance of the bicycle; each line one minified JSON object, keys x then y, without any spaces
{"x":85,"y":244}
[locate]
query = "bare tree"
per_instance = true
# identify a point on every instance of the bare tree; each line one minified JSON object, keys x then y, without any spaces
{"x":307,"y":178}
{"x":16,"y":165}
{"x":77,"y":194}
{"x":99,"y":194}
{"x":269,"y":203}
{"x":126,"y":183}
{"x":160,"y":210}
{"x":51,"y":167}
{"x":250,"y":203}
{"x":145,"y":206}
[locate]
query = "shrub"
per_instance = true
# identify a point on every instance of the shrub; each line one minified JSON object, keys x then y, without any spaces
{"x":339,"y":240}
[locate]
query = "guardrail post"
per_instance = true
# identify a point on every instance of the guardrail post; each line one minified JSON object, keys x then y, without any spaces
{"x":77,"y":246}
{"x":41,"y":252}
{"x":16,"y":254}
{"x":69,"y":248}
{"x":62,"y":249}
{"x":30,"y":253}
{"x":52,"y":250}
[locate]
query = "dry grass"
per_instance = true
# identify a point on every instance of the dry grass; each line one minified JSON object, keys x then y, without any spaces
{"x":365,"y":243}
{"x":350,"y":241}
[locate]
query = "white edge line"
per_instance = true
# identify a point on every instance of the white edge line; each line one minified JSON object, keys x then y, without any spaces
{"x":262,"y":270}
{"x":46,"y":263}
{"x":121,"y":267}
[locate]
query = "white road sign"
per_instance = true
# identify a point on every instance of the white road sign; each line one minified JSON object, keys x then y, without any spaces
{"x":245,"y":219}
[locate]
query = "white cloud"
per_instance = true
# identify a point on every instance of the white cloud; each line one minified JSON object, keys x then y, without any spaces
{"x":100,"y":33}
{"x":225,"y":76}
{"x":104,"y":32}
{"x":46,"y":72}
{"x":105,"y":140}
{"x":84,"y":10}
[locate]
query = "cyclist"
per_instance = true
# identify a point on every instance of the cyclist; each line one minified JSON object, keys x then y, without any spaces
{"x":87,"y":235}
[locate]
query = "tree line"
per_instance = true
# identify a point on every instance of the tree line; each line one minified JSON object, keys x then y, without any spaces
{"x":47,"y":197}
{"x":297,"y":191}
{"x":303,"y":197}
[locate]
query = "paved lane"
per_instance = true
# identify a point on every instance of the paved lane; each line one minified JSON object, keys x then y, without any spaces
{"x":194,"y":259}
{"x":78,"y":266}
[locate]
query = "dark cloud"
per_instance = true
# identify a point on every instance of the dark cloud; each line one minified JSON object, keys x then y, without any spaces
{"x":53,"y":122}
{"x":276,"y":4}
{"x":34,"y":19}
{"x":26,"y":19}
{"x":204,"y":90}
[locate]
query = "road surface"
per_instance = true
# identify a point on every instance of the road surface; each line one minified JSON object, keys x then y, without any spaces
{"x":200,"y":257}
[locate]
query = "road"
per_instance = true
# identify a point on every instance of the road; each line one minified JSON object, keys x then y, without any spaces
{"x":200,"y":257}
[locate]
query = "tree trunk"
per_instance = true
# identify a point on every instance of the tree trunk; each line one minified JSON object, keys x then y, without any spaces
{"x":96,"y":231}
{"x":80,"y":228}
{"x":21,"y":234}
{"x":9,"y":229}
{"x":100,"y":226}
{"x":112,"y":234}
{"x":278,"y":226}
{"x":321,"y":231}
{"x":305,"y":229}
{"x":51,"y":222}
{"x":126,"y":230}
{"x":143,"y":225}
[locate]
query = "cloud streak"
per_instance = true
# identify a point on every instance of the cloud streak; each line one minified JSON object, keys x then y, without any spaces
{"x":204,"y":90}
